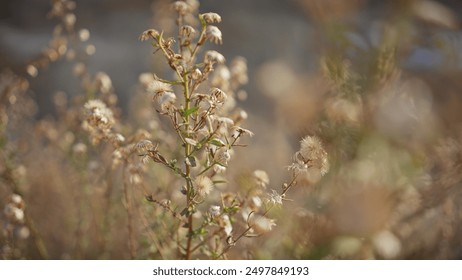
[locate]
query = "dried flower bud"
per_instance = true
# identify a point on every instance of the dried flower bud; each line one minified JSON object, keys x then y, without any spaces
{"x":150,"y":33}
{"x":98,"y":113}
{"x":261,"y":177}
{"x":187,"y":31}
{"x":214,"y":57}
{"x":79,"y":149}
{"x":218,"y":95}
{"x":214,"y":210}
{"x":196,"y":74}
{"x":261,"y":224}
{"x":211,"y":18}
{"x":214,"y":34}
{"x":181,"y":7}
{"x":158,"y":87}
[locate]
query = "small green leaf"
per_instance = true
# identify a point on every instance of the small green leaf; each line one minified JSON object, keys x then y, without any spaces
{"x":190,"y":111}
{"x":217,"y":142}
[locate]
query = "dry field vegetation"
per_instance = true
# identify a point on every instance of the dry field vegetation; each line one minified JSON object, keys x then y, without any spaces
{"x":362,"y":159}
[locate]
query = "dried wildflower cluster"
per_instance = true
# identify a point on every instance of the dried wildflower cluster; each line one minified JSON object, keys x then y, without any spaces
{"x":200,"y":103}
{"x":14,"y":226}
{"x":64,"y":34}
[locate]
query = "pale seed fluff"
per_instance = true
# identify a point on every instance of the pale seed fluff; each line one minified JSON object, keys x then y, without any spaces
{"x":158,"y":87}
{"x":275,"y":198}
{"x":387,"y":245}
{"x":313,"y":154}
{"x":226,"y":224}
{"x":214,"y":210}
{"x":261,"y":178}
{"x":204,"y":185}
{"x":144,"y":146}
{"x":98,"y":113}
{"x":214,"y":57}
{"x":211,"y":18}
{"x":261,"y":224}
{"x":181,"y":7}
{"x":214,"y":34}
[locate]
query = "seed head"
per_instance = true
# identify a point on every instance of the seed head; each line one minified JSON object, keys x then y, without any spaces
{"x":313,"y":154}
{"x":211,"y":18}
{"x":214,"y":34}
{"x":159,"y":88}
{"x":148,"y":34}
{"x":204,"y":185}
{"x":182,"y":8}
{"x":214,"y":57}
{"x":187,"y":31}
{"x":261,"y":177}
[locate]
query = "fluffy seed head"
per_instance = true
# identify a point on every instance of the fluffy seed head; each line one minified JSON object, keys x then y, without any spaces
{"x":261,"y":177}
{"x":148,"y":34}
{"x":313,"y":154}
{"x":204,"y":185}
{"x":211,"y":18}
{"x":214,"y":34}
{"x":214,"y":57}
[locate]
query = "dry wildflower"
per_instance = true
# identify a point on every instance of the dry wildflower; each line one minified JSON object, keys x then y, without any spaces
{"x":22,"y":232}
{"x":196,"y":74}
{"x":255,"y":203}
{"x":17,"y":199}
{"x":218,"y":168}
{"x":79,"y":149}
{"x":239,"y":70}
{"x":203,"y":185}
{"x":211,"y":18}
{"x":225,"y":223}
{"x":218,"y":95}
{"x":104,"y":82}
{"x":117,"y":158}
{"x":261,"y":224}
{"x":144,"y":146}
{"x":214,"y":57}
{"x":214,"y":34}
{"x":313,"y":154}
{"x":182,"y":8}
{"x":98,"y":113}
{"x":158,"y":87}
{"x":239,"y":131}
{"x":149,"y":34}
{"x":214,"y":210}
{"x":187,"y":31}
{"x":261,"y":177}
{"x":275,"y":198}
{"x":13,"y":213}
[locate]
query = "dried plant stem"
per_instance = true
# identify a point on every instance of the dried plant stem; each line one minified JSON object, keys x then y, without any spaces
{"x":128,"y":209}
{"x":189,"y":186}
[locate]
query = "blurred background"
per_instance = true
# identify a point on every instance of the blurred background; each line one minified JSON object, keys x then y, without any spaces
{"x":377,"y":81}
